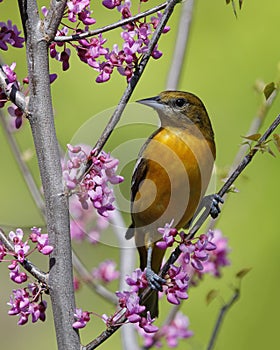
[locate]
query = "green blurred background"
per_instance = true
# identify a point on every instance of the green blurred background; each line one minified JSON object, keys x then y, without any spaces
{"x":225,"y":58}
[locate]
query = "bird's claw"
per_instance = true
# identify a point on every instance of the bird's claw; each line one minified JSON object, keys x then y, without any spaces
{"x":214,"y":208}
{"x":154,"y":280}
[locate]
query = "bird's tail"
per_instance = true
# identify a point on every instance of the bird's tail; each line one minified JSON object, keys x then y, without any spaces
{"x":130,"y":232}
{"x":152,"y":304}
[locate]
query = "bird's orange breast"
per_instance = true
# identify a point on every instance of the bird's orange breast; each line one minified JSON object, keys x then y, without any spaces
{"x":179,"y":167}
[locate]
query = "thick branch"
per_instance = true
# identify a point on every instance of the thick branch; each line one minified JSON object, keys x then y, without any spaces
{"x":110,"y":26}
{"x":42,"y":125}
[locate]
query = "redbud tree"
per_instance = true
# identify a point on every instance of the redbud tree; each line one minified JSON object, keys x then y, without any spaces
{"x":77,"y":198}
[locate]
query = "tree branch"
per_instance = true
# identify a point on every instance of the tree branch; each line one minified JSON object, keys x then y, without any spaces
{"x":255,"y":126}
{"x":225,"y":308}
{"x":42,"y":125}
{"x":109,"y":27}
{"x":28,"y":265}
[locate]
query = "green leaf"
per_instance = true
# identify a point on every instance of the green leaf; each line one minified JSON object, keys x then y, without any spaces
{"x":268,"y":90}
{"x":240,"y":274}
{"x":211,"y":296}
{"x":253,"y":137}
{"x":240,"y":4}
{"x":276,"y":140}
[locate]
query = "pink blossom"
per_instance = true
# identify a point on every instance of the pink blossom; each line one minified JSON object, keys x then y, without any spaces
{"x":177,"y":287}
{"x":82,"y":318}
{"x":177,"y":329}
{"x":106,"y":271}
{"x":27,"y":301}
{"x":9,"y":34}
{"x":94,"y":187}
{"x":168,"y":236}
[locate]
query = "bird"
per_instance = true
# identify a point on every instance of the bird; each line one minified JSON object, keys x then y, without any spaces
{"x":170,"y":178}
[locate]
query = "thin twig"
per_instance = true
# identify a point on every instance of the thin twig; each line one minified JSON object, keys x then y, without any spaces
{"x":109,"y":27}
{"x":255,"y":126}
{"x":182,"y":38}
{"x":223,"y":311}
{"x":28,"y":265}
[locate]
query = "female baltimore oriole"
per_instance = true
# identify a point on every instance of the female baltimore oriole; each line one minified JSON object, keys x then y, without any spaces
{"x":170,"y":178}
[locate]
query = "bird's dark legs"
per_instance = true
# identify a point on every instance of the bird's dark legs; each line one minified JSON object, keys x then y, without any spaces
{"x":155,"y":281}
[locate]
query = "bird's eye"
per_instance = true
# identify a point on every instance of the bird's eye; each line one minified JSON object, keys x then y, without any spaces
{"x":180,"y":102}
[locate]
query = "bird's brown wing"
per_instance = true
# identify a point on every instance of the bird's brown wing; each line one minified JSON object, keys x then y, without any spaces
{"x":139,"y":174}
{"x":141,"y":167}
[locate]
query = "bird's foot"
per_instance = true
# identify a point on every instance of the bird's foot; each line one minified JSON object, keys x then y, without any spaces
{"x":154,"y":280}
{"x":215,"y":200}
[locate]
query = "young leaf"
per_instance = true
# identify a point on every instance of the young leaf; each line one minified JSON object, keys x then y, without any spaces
{"x":276,"y":139}
{"x":253,"y":137}
{"x":211,"y":296}
{"x":240,"y":274}
{"x":268,"y":90}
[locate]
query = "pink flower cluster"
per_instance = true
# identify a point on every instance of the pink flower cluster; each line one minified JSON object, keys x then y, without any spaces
{"x":135,"y":35}
{"x":9,"y":34}
{"x":28,"y":302}
{"x":25,"y":301}
{"x":21,"y":251}
{"x":129,"y":301}
{"x":177,"y":329}
{"x":94,"y":187}
{"x":81,"y":318}
{"x":205,"y":254}
{"x":106,"y":272}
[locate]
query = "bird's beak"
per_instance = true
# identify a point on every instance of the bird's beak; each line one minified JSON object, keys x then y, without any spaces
{"x":153,"y":102}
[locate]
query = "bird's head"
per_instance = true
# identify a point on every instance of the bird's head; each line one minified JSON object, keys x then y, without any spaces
{"x":182,"y":110}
